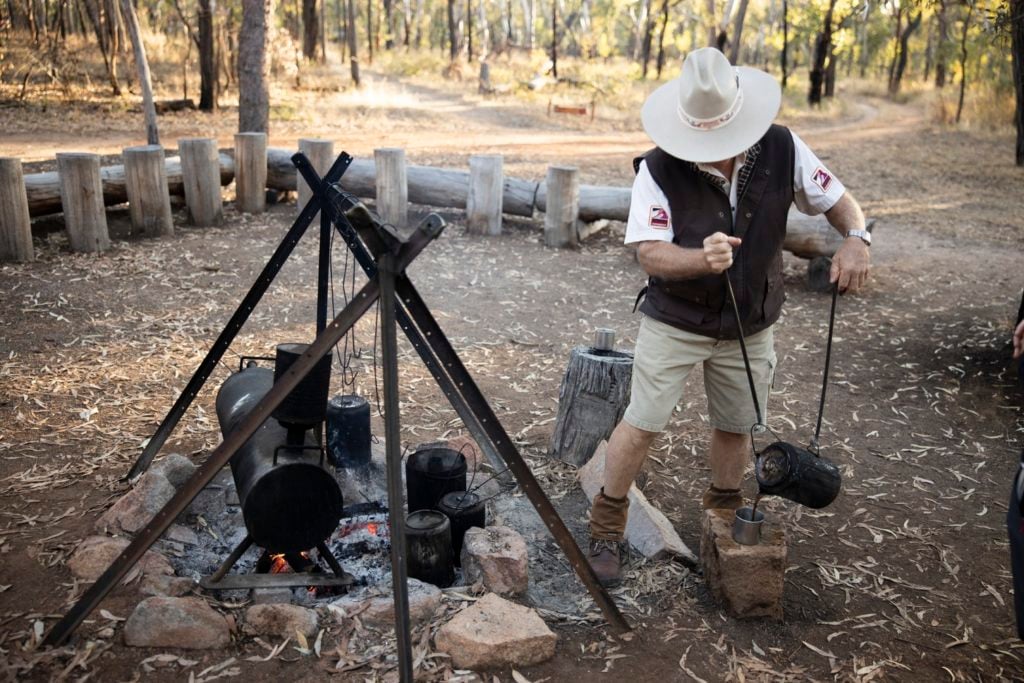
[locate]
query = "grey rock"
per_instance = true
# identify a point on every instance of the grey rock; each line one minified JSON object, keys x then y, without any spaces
{"x":174,"y":467}
{"x":497,"y":557}
{"x":187,"y":623}
{"x":375,"y":606}
{"x":494,"y":633}
{"x":94,"y":554}
{"x":281,"y":621}
{"x":136,"y":508}
{"x":181,"y":534}
{"x":171,"y":586}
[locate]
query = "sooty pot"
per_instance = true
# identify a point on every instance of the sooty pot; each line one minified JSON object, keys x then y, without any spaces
{"x":789,"y":471}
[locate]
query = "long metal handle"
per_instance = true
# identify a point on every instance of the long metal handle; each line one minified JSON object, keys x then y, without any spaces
{"x":743,"y":350}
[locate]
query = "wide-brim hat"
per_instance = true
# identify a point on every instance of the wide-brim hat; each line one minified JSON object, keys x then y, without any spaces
{"x":713,"y":111}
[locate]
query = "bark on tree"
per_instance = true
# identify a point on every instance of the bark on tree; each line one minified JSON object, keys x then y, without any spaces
{"x":822,"y":48}
{"x":148,"y":107}
{"x":661,"y":38}
{"x":901,"y":61}
{"x":963,"y":57}
{"x":941,"y":43}
{"x":310,"y":29}
{"x":350,"y":33}
{"x":253,"y":68}
{"x":785,"y":41}
{"x":389,"y":27}
{"x":737,"y":32}
{"x":645,"y":48}
{"x":554,"y":39}
{"x":1017,"y":48}
{"x":453,"y":43}
{"x":207,"y":56}
{"x":469,"y":30}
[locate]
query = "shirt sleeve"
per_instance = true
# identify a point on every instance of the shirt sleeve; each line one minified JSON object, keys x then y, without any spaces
{"x":649,"y":217}
{"x":815,"y":188}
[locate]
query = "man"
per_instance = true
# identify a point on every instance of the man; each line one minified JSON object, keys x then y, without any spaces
{"x":711,"y":202}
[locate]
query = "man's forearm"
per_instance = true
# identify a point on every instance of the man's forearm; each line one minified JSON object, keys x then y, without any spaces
{"x":846,"y":215}
{"x":671,"y":262}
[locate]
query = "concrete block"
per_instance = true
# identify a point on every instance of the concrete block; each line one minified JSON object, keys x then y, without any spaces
{"x":747,"y":579}
{"x":647,"y":529}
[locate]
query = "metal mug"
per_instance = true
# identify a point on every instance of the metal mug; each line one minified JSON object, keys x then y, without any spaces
{"x":746,"y":530}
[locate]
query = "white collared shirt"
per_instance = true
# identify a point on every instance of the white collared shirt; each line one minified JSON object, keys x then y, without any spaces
{"x":815,"y":191}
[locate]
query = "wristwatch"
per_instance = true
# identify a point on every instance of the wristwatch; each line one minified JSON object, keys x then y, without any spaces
{"x":863,"y":235}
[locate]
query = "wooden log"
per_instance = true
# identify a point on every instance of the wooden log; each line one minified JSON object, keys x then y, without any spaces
{"x":81,"y":197}
{"x":251,"y":172}
{"x":15,"y":224}
{"x":563,"y":206}
{"x":392,"y":186}
{"x":200,"y":172}
{"x":321,"y":154}
{"x":591,"y":401}
{"x":812,"y":236}
{"x":484,"y":202}
{"x":43,"y":189}
{"x":149,"y":202}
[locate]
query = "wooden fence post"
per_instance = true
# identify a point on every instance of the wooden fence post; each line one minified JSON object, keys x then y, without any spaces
{"x":200,"y":173}
{"x":486,"y":191}
{"x":563,"y":206}
{"x":15,"y":224}
{"x":149,"y":201}
{"x":251,"y":172}
{"x":321,"y":155}
{"x":81,"y":196}
{"x":392,"y":186}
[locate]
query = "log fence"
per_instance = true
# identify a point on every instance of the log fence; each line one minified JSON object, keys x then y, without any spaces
{"x":81,"y":189}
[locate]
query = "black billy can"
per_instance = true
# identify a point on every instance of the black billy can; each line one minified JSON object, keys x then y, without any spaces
{"x":432,"y":472}
{"x":789,"y":471}
{"x":428,"y":538}
{"x":348,"y":431}
{"x":465,"y":510}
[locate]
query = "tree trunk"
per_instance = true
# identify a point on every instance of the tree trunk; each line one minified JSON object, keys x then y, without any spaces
{"x":896,"y":40}
{"x":645,"y":49}
{"x":661,"y":38}
{"x":963,"y":58}
{"x":148,"y":108}
{"x":253,"y":71}
{"x":1017,"y":49}
{"x":369,"y":31}
{"x":554,"y":39}
{"x":822,"y":48}
{"x":901,"y":62}
{"x":737,"y":32}
{"x":350,"y":34}
{"x":785,"y":41}
{"x":941,"y":43}
{"x":453,"y":43}
{"x":207,"y":57}
{"x":310,"y":29}
{"x":469,"y":30}
{"x":92,"y":10}
{"x":830,"y":72}
{"x":389,"y":27}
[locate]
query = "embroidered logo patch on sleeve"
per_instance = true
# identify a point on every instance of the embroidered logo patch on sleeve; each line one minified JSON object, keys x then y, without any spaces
{"x":658,"y":218}
{"x":822,"y":179}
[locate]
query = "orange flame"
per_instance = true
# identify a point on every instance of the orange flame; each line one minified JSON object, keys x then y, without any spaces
{"x":278,"y":564}
{"x":372,"y":528}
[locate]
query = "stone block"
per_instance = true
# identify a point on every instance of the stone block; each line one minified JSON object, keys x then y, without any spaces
{"x":375,"y":606}
{"x":747,"y":579}
{"x":187,"y":623}
{"x":133,"y":510}
{"x":648,"y":531}
{"x":171,"y":586}
{"x":270,"y":596}
{"x":281,"y":621}
{"x":494,"y":633}
{"x":174,"y":467}
{"x":497,"y":557}
{"x":94,"y":554}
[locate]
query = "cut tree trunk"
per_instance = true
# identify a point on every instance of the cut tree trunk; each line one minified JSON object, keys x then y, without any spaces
{"x":593,"y":397}
{"x":251,"y":172}
{"x":149,"y":202}
{"x":81,"y":195}
{"x":200,"y":171}
{"x":15,"y":225}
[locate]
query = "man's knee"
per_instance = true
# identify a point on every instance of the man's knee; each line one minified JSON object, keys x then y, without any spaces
{"x":629,"y":440}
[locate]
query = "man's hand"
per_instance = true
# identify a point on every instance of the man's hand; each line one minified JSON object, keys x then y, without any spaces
{"x":850,"y":265}
{"x":718,"y":251}
{"x":1018,"y":340}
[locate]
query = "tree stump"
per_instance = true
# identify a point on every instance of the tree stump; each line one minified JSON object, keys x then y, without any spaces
{"x":484,"y":202}
{"x":321,"y":154}
{"x":563,"y":206}
{"x":15,"y":224}
{"x":149,"y":201}
{"x":81,"y":197}
{"x":392,"y":186}
{"x":251,"y":172}
{"x":593,"y":397}
{"x":200,"y":173}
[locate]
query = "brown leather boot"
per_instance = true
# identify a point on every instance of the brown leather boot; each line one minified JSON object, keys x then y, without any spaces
{"x":607,"y":529}
{"x":606,"y":561}
{"x":727,"y":499}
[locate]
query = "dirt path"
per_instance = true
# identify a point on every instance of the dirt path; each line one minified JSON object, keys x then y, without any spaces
{"x":905,"y":577}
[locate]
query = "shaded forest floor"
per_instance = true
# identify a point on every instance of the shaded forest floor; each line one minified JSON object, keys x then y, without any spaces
{"x":905,"y":577}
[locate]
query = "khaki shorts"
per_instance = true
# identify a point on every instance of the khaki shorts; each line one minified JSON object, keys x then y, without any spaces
{"x":663,"y":359}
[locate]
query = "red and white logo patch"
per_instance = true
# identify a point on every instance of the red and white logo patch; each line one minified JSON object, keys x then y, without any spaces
{"x":658,"y":218}
{"x":822,"y":178}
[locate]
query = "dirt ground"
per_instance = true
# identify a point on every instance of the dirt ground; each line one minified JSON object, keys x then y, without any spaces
{"x":905,"y":577}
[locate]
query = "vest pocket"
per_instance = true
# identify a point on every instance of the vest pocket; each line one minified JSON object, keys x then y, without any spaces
{"x":774,"y":296}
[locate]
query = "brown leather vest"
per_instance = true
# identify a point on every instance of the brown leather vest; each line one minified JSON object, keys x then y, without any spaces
{"x":700,"y":208}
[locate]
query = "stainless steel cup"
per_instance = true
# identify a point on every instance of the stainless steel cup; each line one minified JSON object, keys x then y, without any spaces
{"x":604,"y":339}
{"x":746,"y":530}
